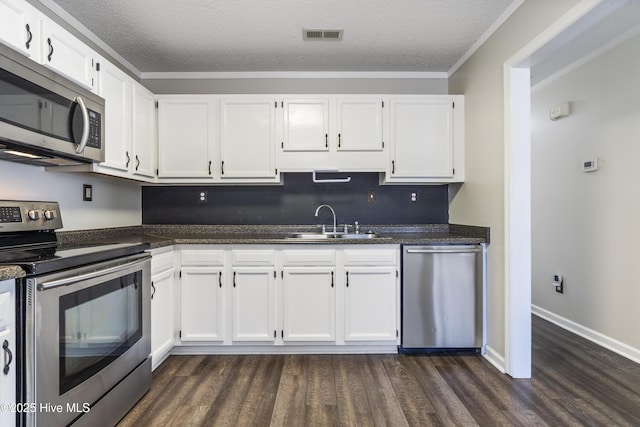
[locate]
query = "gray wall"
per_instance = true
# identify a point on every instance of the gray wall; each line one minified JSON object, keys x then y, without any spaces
{"x":481,"y":200}
{"x":436,"y":86}
{"x":585,"y":225}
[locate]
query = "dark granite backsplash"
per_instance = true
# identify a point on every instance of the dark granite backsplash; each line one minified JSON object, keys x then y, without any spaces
{"x":295,"y":203}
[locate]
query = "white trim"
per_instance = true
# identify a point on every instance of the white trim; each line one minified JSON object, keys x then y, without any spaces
{"x":602,"y":340}
{"x":295,"y":75}
{"x":612,"y":44}
{"x":517,"y":277}
{"x":77,"y":25}
{"x":485,"y":36}
{"x":495,"y":359}
{"x":284,"y":349}
{"x":517,"y":221}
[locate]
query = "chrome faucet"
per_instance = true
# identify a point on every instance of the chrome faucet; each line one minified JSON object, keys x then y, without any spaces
{"x":335,"y":228}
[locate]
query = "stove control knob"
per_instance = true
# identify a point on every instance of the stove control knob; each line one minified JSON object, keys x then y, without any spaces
{"x":50,"y":214}
{"x":33,"y":214}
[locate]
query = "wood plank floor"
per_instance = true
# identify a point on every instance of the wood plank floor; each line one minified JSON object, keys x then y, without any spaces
{"x":574,"y":383}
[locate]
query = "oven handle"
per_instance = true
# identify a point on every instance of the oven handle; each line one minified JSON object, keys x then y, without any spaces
{"x":87,"y":276}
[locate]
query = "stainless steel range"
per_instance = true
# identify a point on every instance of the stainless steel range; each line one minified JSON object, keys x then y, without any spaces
{"x":83,"y":316}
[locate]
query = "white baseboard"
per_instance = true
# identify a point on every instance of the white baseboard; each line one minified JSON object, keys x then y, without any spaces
{"x":609,"y":343}
{"x":495,"y":358}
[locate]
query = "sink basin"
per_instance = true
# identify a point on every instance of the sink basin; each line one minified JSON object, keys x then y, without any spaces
{"x":329,"y":236}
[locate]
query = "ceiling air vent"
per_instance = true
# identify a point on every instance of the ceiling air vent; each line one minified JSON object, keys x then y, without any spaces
{"x":308,"y":34}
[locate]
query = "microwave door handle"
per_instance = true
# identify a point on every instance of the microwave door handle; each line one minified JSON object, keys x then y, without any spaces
{"x":85,"y":124}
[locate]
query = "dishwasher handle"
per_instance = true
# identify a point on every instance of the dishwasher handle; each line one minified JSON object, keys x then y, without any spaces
{"x":444,"y":250}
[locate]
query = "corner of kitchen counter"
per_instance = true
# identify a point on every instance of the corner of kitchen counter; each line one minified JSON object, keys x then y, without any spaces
{"x":471,"y":231}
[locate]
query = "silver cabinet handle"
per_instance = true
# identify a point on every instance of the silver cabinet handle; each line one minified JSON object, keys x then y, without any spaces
{"x":85,"y":124}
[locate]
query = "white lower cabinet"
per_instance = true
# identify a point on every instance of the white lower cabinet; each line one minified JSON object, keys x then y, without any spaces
{"x":329,"y":298}
{"x":371,"y":295}
{"x":370,"y":303}
{"x":253,"y":295}
{"x":309,"y":304}
{"x":253,"y":304}
{"x":162,"y":305}
{"x":202,"y":302}
{"x":8,"y":343}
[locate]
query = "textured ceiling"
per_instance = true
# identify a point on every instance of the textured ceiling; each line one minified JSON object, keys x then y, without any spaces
{"x":266,"y":35}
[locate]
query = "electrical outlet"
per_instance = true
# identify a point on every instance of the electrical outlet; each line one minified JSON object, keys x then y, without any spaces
{"x":202,"y":196}
{"x":371,"y":196}
{"x":87,"y":192}
{"x":414,"y":196}
{"x":558,"y":282}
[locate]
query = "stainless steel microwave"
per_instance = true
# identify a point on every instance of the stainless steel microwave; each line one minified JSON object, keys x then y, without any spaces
{"x":46,"y":119}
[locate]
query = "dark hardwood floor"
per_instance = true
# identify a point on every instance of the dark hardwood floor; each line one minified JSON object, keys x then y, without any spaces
{"x":574,"y":383}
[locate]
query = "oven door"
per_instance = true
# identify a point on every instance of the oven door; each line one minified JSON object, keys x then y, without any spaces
{"x":87,"y":329}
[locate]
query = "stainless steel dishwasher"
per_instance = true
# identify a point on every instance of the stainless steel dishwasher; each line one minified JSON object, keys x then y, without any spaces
{"x":442,"y":298}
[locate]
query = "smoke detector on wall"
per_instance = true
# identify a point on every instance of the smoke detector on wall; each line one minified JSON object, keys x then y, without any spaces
{"x":320,"y":34}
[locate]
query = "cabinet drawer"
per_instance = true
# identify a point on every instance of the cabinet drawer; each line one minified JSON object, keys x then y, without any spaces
{"x":202,"y":257}
{"x":309,"y":257}
{"x":255,"y":257}
{"x":370,"y":257}
{"x":161,"y":262}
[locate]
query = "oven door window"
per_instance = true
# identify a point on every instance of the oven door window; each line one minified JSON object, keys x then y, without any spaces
{"x":97,"y":325}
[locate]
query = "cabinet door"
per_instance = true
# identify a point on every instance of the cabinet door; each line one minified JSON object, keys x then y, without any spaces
{"x":421,"y":132}
{"x":185,"y":138}
{"x":359,"y":124}
{"x":202,"y":304}
{"x":309,"y":304}
{"x":8,"y":336}
{"x":67,"y":55}
{"x":18,"y":27}
{"x":306,"y":125}
{"x":144,"y":131}
{"x":247,"y":138}
{"x":370,"y":308}
{"x":115,"y":87}
{"x":253,"y":304}
{"x":161,"y":316}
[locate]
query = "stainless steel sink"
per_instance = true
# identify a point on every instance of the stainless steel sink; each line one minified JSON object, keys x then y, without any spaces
{"x":337,"y":236}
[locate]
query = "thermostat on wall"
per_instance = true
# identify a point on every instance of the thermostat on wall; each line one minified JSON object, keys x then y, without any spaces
{"x":590,"y":165}
{"x":561,"y":110}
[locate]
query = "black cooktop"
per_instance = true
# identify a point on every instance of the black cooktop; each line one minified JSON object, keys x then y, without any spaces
{"x":37,"y":261}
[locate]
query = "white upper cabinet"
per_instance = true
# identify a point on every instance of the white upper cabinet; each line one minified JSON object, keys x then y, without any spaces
{"x":115,"y":87}
{"x":185,"y":137}
{"x":359,"y":124}
{"x":334,"y":132}
{"x":67,"y":55}
{"x":306,"y":124}
{"x":247,"y":138}
{"x":20,"y":27}
{"x":144,"y":131}
{"x":426,"y":139}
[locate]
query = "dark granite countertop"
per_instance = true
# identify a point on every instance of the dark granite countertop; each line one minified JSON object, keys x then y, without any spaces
{"x":157,"y":236}
{"x":10,"y":272}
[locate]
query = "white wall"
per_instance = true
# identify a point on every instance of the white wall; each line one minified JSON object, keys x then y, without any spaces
{"x":481,"y":199}
{"x":586,"y":225}
{"x":116,"y":203}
